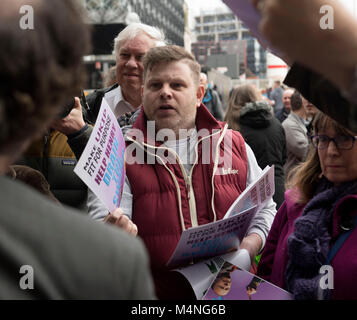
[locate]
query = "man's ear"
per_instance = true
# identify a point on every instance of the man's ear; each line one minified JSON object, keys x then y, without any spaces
{"x":200,"y":94}
{"x":142,"y":90}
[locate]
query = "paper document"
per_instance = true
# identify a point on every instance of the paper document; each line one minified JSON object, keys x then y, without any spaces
{"x":101,"y":166}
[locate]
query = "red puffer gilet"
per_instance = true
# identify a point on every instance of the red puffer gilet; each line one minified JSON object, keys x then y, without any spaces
{"x":166,"y":200}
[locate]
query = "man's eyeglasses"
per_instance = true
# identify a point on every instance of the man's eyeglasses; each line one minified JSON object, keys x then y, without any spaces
{"x":343,"y":142}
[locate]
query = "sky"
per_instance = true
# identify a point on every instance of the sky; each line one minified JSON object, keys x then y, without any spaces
{"x":196,"y":5}
{"x":351,"y":5}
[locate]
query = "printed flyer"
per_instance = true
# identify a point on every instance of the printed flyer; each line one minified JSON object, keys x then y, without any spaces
{"x":232,"y":283}
{"x":217,"y":238}
{"x":257,"y":193}
{"x":101,"y":166}
{"x":203,"y":251}
{"x":201,"y":275}
{"x":212,"y":239}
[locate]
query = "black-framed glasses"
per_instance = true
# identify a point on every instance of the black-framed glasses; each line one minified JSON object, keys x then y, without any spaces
{"x":343,"y":142}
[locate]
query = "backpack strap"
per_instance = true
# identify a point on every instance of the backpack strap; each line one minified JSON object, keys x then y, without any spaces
{"x":338,"y":244}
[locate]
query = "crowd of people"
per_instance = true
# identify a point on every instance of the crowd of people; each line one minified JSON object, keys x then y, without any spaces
{"x":53,"y":223}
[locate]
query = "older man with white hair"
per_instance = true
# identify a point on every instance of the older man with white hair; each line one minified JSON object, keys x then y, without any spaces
{"x":130,"y":46}
{"x":211,"y":99}
{"x":124,"y":97}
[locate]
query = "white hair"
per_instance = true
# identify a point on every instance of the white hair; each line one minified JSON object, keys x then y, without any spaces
{"x":133,"y":30}
{"x":203,"y":77}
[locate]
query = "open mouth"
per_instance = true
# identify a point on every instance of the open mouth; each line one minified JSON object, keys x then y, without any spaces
{"x":166,"y":107}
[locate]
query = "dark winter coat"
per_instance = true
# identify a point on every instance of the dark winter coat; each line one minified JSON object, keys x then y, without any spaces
{"x":266,"y":136}
{"x":94,"y":102}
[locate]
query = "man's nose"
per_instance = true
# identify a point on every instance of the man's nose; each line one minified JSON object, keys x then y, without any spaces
{"x":132,"y":62}
{"x":165,"y":92}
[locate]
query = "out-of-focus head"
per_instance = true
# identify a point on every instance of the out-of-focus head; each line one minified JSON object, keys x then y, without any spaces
{"x":277,"y":84}
{"x":239,"y":97}
{"x":203,"y":79}
{"x":40,"y":67}
{"x":310,"y":109}
{"x":110,"y":77}
{"x":287,"y":98}
{"x":130,"y":46}
{"x":243,"y":94}
{"x":296,"y":101}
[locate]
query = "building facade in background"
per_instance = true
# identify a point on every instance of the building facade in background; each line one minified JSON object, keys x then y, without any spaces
{"x":222,"y":41}
{"x":109,"y":17}
{"x":167,"y":15}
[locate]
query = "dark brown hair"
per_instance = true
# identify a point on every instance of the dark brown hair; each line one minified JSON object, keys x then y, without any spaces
{"x":40,"y":68}
{"x":296,"y":101}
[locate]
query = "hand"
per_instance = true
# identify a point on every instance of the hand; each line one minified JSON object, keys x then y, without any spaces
{"x":286,"y":24}
{"x":120,"y":220}
{"x":250,"y":292}
{"x":73,"y":122}
{"x":242,"y":259}
{"x":252,"y":243}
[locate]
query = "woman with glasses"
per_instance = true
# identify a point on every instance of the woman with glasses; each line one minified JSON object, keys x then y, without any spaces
{"x":311,"y":249}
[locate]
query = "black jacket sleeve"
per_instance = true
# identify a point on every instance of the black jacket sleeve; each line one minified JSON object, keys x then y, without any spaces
{"x":79,"y":141}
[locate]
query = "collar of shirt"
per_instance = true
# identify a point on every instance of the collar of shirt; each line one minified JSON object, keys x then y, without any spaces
{"x":117,"y":103}
{"x":184,"y":148}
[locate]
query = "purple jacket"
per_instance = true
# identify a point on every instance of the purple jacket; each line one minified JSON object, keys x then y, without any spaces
{"x":274,"y":258}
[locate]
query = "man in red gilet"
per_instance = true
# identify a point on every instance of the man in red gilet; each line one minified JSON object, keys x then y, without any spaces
{"x":184,"y":168}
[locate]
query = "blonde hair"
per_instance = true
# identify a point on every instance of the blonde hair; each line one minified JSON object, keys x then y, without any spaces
{"x":240,"y":96}
{"x":304,"y":179}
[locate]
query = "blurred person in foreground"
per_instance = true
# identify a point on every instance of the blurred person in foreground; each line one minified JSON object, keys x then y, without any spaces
{"x":71,"y":256}
{"x":316,"y":225}
{"x":310,"y":112}
{"x":323,"y":63}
